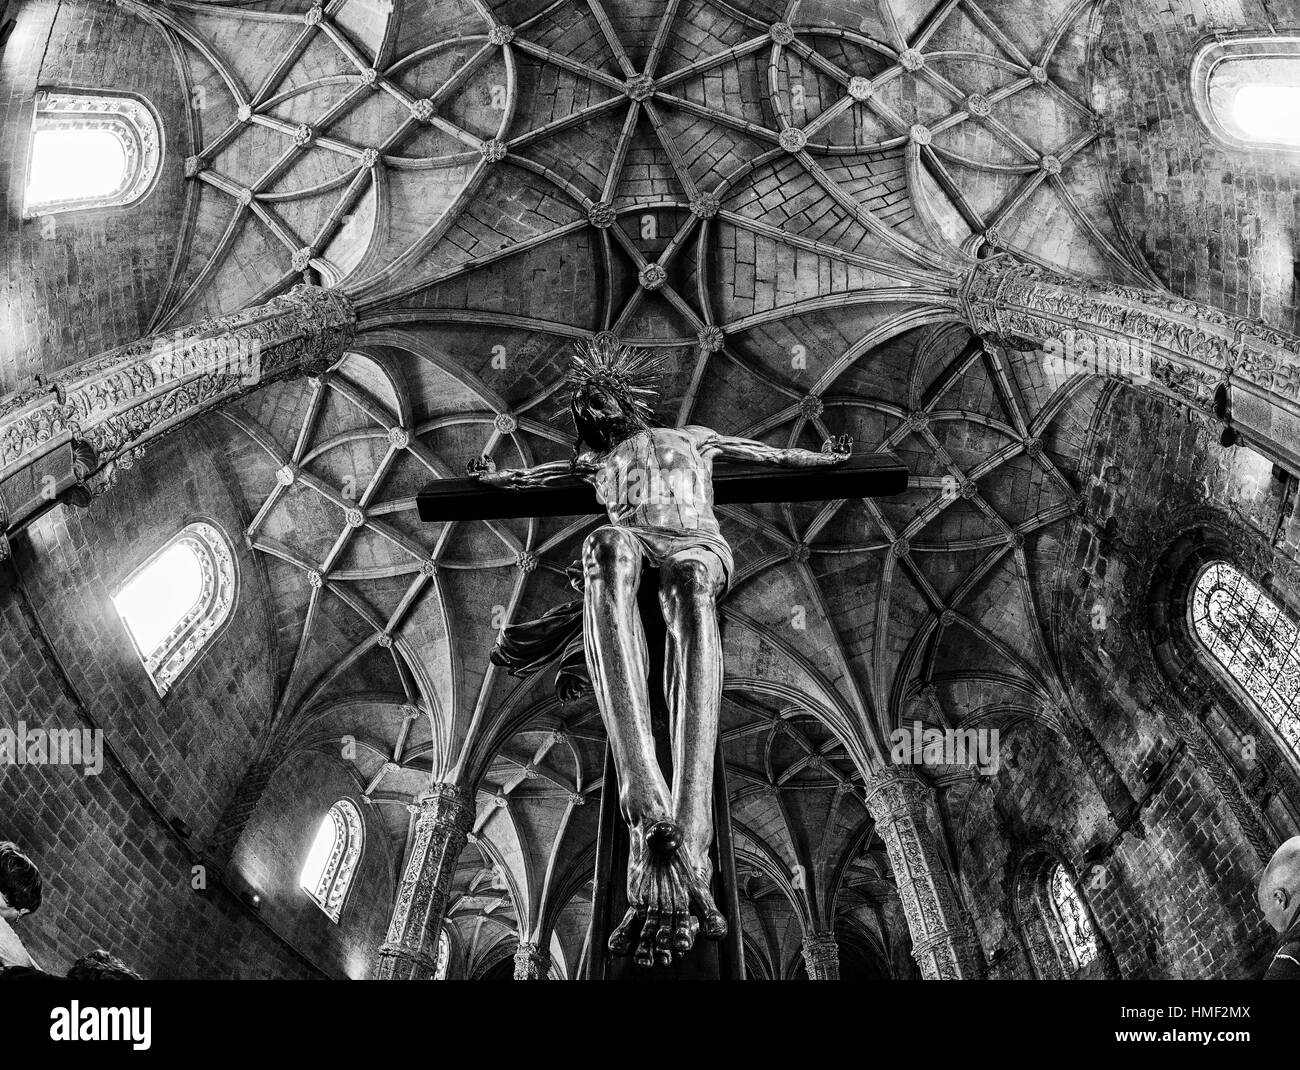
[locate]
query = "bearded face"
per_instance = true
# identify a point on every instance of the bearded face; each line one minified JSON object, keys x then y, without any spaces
{"x":602,"y":419}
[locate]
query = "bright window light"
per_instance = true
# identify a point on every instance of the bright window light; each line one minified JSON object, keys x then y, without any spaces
{"x":160,"y":595}
{"x":332,"y":861}
{"x":70,"y":165}
{"x":1268,"y":112}
{"x":319,"y":855}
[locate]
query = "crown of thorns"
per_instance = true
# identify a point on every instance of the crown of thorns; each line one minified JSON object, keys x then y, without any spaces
{"x":631,"y":376}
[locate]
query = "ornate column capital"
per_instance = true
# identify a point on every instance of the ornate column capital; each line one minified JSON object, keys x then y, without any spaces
{"x":894,"y":791}
{"x":821,"y":955}
{"x":532,"y":963}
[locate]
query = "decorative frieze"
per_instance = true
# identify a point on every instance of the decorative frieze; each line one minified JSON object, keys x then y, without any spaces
{"x":114,"y":403}
{"x":1239,"y":371}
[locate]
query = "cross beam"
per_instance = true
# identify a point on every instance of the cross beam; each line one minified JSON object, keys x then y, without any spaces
{"x":869,"y":475}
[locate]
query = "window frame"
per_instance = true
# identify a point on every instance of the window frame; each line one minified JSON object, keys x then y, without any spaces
{"x":1222,"y":673}
{"x":1221,"y":49}
{"x":130,"y":118}
{"x":334,"y":866}
{"x":1049,"y":953}
{"x":186,"y":641}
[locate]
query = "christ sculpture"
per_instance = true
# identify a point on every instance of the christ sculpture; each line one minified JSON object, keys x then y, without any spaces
{"x":656,"y":484}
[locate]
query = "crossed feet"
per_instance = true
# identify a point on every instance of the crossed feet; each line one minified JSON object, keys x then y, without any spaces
{"x":668,"y":895}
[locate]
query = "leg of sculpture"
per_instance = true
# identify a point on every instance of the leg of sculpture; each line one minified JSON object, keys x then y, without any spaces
{"x":619,"y":663}
{"x":616,"y":654}
{"x":690,"y":583}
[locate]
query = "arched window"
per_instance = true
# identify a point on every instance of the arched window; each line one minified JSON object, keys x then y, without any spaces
{"x":1075,"y":929}
{"x":1247,"y":90}
{"x":90,"y":151}
{"x":444,"y":955}
{"x":332,"y":860}
{"x":174,"y":603}
{"x":1054,"y":920}
{"x":1252,"y":641}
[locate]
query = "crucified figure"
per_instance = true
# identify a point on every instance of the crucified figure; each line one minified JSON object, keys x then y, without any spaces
{"x":656,"y":484}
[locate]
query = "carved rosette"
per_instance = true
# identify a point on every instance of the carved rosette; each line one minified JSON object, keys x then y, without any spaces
{"x":901,"y":805}
{"x":532,"y":963}
{"x":446,"y":814}
{"x":821,"y":955}
{"x":116,"y":402}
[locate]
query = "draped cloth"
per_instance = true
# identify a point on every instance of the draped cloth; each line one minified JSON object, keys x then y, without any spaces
{"x":529,"y":646}
{"x":557,"y":635}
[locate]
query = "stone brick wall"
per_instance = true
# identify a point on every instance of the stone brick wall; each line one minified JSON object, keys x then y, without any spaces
{"x":270,"y":855}
{"x":1174,"y":898}
{"x":78,"y":283}
{"x":1216,"y":224}
{"x":118,"y":872}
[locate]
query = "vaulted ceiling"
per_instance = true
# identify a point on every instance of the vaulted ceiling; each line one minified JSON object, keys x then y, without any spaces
{"x":780,"y":198}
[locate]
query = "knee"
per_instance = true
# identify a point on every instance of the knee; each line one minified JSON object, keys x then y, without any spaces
{"x":688,"y":582}
{"x":609,"y":555}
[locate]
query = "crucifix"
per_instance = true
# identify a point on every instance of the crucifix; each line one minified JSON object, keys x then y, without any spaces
{"x":658,"y":488}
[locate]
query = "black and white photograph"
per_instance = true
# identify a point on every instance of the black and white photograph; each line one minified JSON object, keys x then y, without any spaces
{"x":650,"y":490}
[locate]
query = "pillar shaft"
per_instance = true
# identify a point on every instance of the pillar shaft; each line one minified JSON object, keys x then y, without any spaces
{"x":79,"y":425}
{"x":532,"y":963}
{"x":903,"y":808}
{"x":821,"y":955}
{"x":446,"y":813}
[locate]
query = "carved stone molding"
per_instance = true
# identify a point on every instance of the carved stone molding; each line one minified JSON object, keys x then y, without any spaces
{"x":1180,"y":347}
{"x":902,"y":806}
{"x":446,"y":814}
{"x":112,"y":404}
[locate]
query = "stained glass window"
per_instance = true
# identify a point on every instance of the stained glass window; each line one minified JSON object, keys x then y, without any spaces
{"x":332,"y":860}
{"x":1253,"y":640}
{"x":1075,"y":927}
{"x":175,"y":602}
{"x":90,"y":150}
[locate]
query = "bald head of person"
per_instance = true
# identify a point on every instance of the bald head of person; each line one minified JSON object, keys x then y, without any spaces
{"x":1279,"y":886}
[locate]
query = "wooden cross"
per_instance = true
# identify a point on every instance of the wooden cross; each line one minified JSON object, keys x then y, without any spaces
{"x":868,"y":475}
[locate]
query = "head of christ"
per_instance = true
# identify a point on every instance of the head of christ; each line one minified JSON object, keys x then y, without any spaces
{"x":609,"y":390}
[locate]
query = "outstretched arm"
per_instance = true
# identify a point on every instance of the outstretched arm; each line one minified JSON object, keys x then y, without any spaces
{"x":540,"y":475}
{"x":834,"y":451}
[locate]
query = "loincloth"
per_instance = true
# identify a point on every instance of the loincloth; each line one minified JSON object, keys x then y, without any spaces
{"x":658,"y":545}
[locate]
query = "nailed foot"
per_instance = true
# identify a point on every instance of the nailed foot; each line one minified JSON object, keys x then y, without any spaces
{"x":663,"y":886}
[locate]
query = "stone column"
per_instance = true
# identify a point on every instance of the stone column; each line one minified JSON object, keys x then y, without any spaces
{"x":821,"y":955}
{"x":532,"y":963}
{"x":1240,"y":371}
{"x":902,"y":806}
{"x":446,"y":814}
{"x":83,"y":423}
